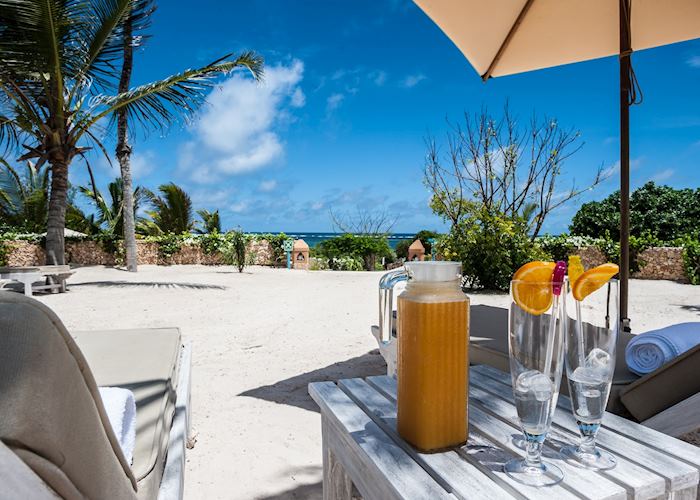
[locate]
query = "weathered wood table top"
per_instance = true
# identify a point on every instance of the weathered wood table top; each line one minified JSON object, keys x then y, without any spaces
{"x":361,"y":448}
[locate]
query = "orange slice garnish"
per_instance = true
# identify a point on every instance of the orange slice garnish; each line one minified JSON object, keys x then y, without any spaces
{"x":532,"y":287}
{"x":593,"y":279}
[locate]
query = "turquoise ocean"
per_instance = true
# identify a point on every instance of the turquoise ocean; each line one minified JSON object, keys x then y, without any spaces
{"x":312,"y":239}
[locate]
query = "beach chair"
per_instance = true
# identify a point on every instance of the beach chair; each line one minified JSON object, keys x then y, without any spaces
{"x":666,"y":399}
{"x":54,"y":277}
{"x":55,"y":437}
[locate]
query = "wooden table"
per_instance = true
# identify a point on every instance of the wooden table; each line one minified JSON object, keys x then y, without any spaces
{"x":361,"y":448}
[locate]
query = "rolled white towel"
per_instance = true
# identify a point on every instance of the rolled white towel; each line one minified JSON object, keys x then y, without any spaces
{"x":121,"y":411}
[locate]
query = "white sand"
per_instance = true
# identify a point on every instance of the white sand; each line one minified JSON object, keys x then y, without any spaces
{"x":259,"y":339}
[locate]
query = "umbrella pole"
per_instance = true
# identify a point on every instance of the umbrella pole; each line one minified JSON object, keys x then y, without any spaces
{"x":625,"y":91}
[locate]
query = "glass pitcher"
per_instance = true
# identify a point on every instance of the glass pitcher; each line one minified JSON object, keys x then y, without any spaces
{"x":432,"y":352}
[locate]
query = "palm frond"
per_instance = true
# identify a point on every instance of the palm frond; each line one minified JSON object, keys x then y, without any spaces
{"x":104,"y":37}
{"x":160,"y":104}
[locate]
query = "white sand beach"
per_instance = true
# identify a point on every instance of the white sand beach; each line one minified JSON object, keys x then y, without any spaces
{"x":259,"y":338}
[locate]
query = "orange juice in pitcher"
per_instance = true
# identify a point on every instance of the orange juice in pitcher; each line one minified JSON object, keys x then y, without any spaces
{"x":432,"y":353}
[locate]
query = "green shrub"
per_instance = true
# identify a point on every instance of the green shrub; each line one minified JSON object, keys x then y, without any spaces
{"x":491,"y":248}
{"x":317,"y":264}
{"x":346,"y":263}
{"x":234,"y":252}
{"x":4,"y":253}
{"x":425,"y":236}
{"x":168,"y":244}
{"x":212,"y":243}
{"x":402,"y":249}
{"x":691,"y":258}
{"x":368,"y":250}
{"x":557,"y":247}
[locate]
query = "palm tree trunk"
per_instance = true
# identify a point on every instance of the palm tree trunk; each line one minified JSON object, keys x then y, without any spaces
{"x":55,"y":244}
{"x":124,"y":154}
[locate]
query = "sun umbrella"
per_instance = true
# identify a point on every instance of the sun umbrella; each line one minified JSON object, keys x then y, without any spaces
{"x":504,"y":37}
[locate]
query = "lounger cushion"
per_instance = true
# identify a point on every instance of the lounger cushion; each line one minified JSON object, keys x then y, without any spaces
{"x":144,"y":361}
{"x":52,"y":417}
{"x":665,"y":387}
{"x":488,"y":345}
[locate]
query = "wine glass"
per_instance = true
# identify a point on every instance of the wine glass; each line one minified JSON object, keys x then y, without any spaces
{"x":590,"y":363}
{"x":535,"y":341}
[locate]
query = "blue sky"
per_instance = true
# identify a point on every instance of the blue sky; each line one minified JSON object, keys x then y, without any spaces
{"x":353,"y":88}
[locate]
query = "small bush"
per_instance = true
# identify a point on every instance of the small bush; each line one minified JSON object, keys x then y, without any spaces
{"x":212,"y":243}
{"x":491,"y":248}
{"x":4,"y":253}
{"x":235,"y":251}
{"x":368,"y":250}
{"x":346,"y":263}
{"x":402,"y":249}
{"x":168,"y":244}
{"x":691,"y":259}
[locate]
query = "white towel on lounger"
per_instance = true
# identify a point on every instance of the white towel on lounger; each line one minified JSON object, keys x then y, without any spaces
{"x":121,"y":411}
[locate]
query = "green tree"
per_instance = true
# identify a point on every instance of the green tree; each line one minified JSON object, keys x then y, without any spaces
{"x":658,"y":211}
{"x":24,"y":197}
{"x":490,"y":247}
{"x":425,"y":236}
{"x":171,"y":211}
{"x":59,"y":82}
{"x":211,"y":222}
{"x":368,"y":249}
{"x":109,"y":212}
{"x":507,"y":166}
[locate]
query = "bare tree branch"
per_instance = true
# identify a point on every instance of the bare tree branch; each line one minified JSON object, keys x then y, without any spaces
{"x":506,"y":167}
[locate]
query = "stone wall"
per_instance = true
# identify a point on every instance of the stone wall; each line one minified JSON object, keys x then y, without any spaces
{"x":24,"y":253}
{"x":661,"y":263}
{"x":591,"y":256}
{"x":88,"y":253}
{"x":91,"y":253}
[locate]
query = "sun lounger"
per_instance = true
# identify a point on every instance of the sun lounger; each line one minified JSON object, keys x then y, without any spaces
{"x":673,"y":386}
{"x":53,"y":420}
{"x":54,"y":277}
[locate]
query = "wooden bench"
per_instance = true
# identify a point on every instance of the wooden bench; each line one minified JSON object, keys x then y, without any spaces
{"x":362,"y":450}
{"x":54,"y":277}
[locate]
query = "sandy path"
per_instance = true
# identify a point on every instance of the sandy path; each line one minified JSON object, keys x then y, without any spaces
{"x":259,"y":339}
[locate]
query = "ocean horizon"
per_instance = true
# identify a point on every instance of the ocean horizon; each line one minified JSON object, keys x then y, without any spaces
{"x":313,"y":238}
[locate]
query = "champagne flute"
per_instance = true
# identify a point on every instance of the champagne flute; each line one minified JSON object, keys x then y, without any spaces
{"x":535,"y":341}
{"x":590,"y":363}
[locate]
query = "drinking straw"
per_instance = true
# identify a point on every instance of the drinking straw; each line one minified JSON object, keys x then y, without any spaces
{"x":581,"y":344}
{"x":557,"y":282}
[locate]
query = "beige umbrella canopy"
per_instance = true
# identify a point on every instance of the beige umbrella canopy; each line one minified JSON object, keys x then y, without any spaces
{"x":504,"y":37}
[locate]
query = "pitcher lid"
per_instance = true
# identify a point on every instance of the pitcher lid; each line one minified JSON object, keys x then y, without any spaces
{"x":433,"y":271}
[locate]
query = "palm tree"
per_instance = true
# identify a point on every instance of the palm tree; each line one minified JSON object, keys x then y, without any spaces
{"x":211,"y":222}
{"x":24,"y":197}
{"x":172,"y":211}
{"x":111,"y":213}
{"x":123,"y":149}
{"x":58,"y":75}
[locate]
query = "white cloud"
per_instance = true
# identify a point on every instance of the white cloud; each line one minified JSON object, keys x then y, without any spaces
{"x":694,"y":61}
{"x":334,"y":101}
{"x":267,"y":186}
{"x":239,"y":207}
{"x":413,"y":80}
{"x":238,"y":130}
{"x":379,"y":78}
{"x":662,"y":175}
{"x":142,"y":164}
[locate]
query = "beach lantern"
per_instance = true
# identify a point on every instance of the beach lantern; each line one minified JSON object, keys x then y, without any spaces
{"x":300,"y":255}
{"x":416,"y":251}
